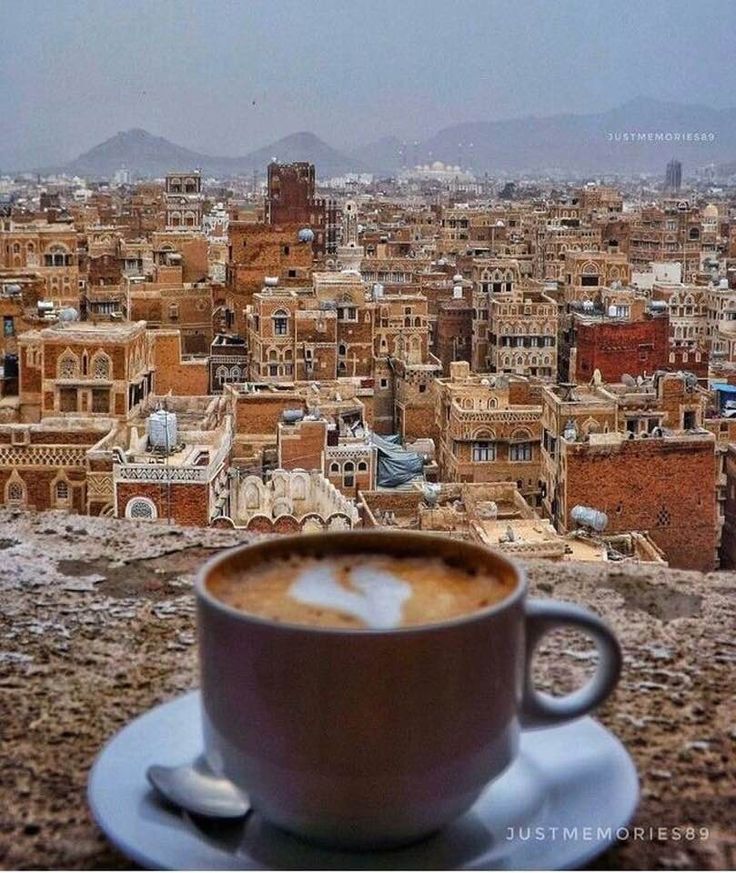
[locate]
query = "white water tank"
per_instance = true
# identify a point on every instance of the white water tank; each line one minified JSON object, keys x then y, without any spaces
{"x":457,"y":292}
{"x":270,"y":281}
{"x":588,"y":517}
{"x":377,"y":290}
{"x":162,"y":431}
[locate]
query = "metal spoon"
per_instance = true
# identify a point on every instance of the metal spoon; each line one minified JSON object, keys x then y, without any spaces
{"x":196,"y":789}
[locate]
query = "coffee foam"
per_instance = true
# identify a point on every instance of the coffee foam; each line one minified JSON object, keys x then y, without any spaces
{"x":375,"y":596}
{"x":360,"y":590}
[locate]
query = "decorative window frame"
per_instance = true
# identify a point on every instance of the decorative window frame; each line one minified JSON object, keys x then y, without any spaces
{"x":140,"y":500}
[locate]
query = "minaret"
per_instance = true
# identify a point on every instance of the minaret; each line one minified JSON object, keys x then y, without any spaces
{"x":349,"y":252}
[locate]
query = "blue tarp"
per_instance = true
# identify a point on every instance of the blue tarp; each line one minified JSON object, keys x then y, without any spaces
{"x":396,"y":465}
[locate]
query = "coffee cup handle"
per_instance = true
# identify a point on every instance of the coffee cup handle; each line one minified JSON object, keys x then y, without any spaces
{"x":544,"y":710}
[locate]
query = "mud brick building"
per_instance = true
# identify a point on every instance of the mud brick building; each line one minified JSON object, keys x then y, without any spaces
{"x":291,"y":501}
{"x":488,"y":429}
{"x":169,"y":303}
{"x":663,"y":485}
{"x":522,"y":336}
{"x":227,"y":361}
{"x":670,"y":231}
{"x":46,"y":466}
{"x":187,"y":481}
{"x":183,"y":199}
{"x":617,"y":346}
{"x":291,"y":199}
{"x":552,"y":243}
{"x":587,"y":272}
{"x":20,"y":291}
{"x":453,"y":333}
{"x":641,"y":456}
{"x":258,"y":251}
{"x":49,"y":249}
{"x":184,"y":249}
{"x":174,"y":371}
{"x":81,"y":368}
{"x":328,"y":444}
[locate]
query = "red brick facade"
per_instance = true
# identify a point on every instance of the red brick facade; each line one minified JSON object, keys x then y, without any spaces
{"x":619,"y":347}
{"x":663,"y":486}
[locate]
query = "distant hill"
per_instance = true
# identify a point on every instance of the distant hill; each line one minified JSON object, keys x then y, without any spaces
{"x":304,"y":147}
{"x":589,"y":143}
{"x":576,"y":144}
{"x":148,"y":155}
{"x":137,"y":150}
{"x":384,"y":156}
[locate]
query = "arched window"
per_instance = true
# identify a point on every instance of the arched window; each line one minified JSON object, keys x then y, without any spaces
{"x":280,"y":322}
{"x":15,"y":492}
{"x":57,"y":256}
{"x":362,"y":466}
{"x":68,"y":366}
{"x":141,"y":508}
{"x":334,"y":467}
{"x":101,"y":366}
{"x":348,"y":476}
{"x":342,"y":349}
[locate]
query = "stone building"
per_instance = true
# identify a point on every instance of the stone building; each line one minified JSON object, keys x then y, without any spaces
{"x":487,"y":429}
{"x":46,"y":465}
{"x":185,"y":481}
{"x":259,"y":251}
{"x":641,"y":456}
{"x":291,"y":200}
{"x":50,"y":250}
{"x":522,"y":336}
{"x":183,"y":199}
{"x":671,"y":231}
{"x":290,"y":501}
{"x":587,"y":272}
{"x":79,"y":368}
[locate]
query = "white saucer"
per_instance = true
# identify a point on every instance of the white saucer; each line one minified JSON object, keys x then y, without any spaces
{"x":578,"y":777}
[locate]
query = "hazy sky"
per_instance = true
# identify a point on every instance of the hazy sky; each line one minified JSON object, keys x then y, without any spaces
{"x":73,"y":73}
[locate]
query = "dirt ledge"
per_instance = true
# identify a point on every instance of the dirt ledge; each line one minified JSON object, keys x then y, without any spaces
{"x":96,"y":626}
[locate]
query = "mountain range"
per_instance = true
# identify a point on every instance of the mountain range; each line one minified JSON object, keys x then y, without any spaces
{"x":575,"y":144}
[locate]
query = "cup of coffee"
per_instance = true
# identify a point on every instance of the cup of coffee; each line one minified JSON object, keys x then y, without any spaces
{"x":365,"y":687}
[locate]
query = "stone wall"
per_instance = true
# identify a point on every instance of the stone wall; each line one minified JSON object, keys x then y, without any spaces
{"x":97,"y":627}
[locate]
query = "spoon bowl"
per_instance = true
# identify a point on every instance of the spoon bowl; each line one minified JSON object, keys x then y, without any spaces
{"x":196,"y":789}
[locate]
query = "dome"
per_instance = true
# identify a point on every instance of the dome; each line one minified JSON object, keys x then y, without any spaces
{"x":711,"y":211}
{"x":438,"y":165}
{"x":306,"y":235}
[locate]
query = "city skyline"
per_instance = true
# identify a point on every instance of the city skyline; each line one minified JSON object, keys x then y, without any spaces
{"x":251,"y":74}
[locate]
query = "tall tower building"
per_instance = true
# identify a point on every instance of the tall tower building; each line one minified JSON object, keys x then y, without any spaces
{"x":350,"y":253}
{"x":673,"y":176}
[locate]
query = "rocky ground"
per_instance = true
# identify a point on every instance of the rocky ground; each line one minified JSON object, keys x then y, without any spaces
{"x":96,"y":626}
